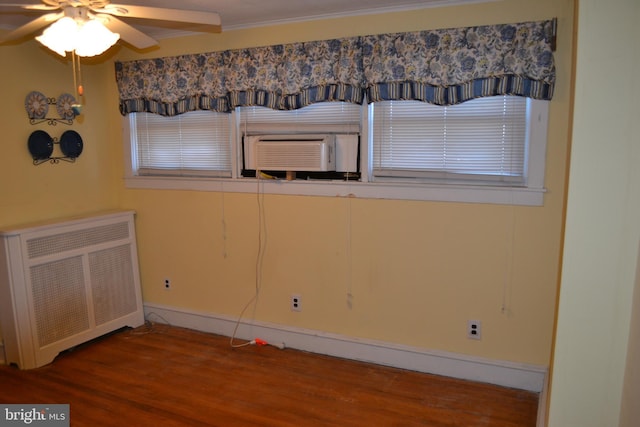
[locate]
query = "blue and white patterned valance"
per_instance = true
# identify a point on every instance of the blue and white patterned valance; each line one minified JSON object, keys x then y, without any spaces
{"x":295,"y":75}
{"x":450,"y":66}
{"x":173,"y":85}
{"x":443,"y":67}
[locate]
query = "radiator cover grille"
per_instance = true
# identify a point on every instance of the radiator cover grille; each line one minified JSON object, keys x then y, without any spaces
{"x":47,"y":245}
{"x":59,"y":300}
{"x":112,"y":283}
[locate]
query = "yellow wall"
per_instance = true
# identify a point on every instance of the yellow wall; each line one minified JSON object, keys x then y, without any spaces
{"x":417,"y":270}
{"x":595,"y":380}
{"x":28,"y":192}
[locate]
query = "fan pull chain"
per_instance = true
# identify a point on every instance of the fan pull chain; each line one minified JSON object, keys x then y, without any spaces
{"x":77,"y":75}
{"x":77,"y":82}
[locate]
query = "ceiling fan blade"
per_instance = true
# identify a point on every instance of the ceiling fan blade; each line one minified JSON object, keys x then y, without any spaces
{"x":162,"y":14}
{"x":30,"y":6}
{"x":39,"y":7}
{"x":32,"y":26}
{"x":127,"y":32}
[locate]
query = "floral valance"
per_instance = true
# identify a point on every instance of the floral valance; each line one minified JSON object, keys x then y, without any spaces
{"x":443,"y":67}
{"x":450,"y":66}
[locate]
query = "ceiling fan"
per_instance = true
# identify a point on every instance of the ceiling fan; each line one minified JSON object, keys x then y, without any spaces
{"x":84,"y":11}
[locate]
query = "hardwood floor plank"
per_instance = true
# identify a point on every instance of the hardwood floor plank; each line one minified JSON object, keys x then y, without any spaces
{"x":177,"y":377}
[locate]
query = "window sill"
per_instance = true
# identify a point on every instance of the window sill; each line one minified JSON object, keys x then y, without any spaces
{"x":378,"y":190}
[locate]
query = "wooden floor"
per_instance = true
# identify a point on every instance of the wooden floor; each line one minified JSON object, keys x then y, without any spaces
{"x":167,"y":376}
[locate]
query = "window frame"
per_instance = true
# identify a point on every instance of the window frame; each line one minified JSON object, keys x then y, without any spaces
{"x":531,"y":194}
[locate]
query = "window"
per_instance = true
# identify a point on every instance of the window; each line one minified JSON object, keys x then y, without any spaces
{"x":490,"y":150}
{"x":483,"y":140}
{"x":197,"y":143}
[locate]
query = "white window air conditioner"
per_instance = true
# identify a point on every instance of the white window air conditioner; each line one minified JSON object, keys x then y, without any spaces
{"x":309,"y":153}
{"x":292,"y":152}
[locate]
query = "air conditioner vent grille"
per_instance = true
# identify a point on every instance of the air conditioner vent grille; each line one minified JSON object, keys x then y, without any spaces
{"x":278,"y":156}
{"x":309,"y":155}
{"x":77,"y":239}
{"x":59,"y":300}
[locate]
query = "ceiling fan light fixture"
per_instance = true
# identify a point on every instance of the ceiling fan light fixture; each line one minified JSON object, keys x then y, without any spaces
{"x":87,"y":38}
{"x":94,"y":38}
{"x":60,"y":36}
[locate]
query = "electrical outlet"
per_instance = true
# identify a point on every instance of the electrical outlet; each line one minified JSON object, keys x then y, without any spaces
{"x":296,"y":303}
{"x":474,"y":329}
{"x":167,"y":284}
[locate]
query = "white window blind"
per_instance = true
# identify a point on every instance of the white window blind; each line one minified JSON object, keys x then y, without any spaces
{"x":196,"y":143}
{"x":484,"y":139}
{"x":328,"y":117}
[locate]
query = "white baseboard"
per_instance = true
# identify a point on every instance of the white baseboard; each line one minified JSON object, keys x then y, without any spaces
{"x":503,"y":373}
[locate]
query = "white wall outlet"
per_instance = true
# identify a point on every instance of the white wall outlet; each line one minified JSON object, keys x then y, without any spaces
{"x":474,"y":329}
{"x":296,"y":303}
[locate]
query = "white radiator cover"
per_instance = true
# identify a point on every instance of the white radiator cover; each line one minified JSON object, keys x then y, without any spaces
{"x":66,"y":282}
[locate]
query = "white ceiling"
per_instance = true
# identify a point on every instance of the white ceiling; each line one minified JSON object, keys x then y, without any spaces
{"x":242,"y":13}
